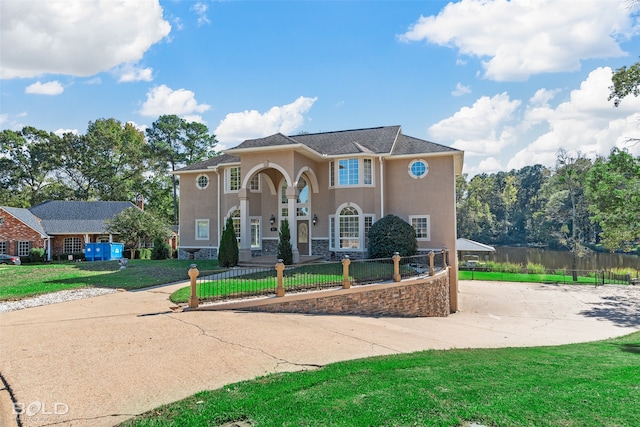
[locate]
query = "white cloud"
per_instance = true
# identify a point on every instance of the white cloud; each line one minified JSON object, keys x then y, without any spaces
{"x":587,"y":122}
{"x":181,"y":102}
{"x":519,"y":38}
{"x":236,"y":127}
{"x":481,"y":129}
{"x":461,"y":90}
{"x":61,"y":132}
{"x":49,"y":88}
{"x":132,"y":73}
{"x":4,"y":118}
{"x":493,"y":128}
{"x":76,"y":37}
{"x":200,"y":10}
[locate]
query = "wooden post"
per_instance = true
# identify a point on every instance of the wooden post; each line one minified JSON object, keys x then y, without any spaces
{"x":193,"y":275}
{"x":444,"y":259}
{"x":280,"y":280}
{"x":346,"y":283}
{"x":431,"y":269}
{"x":396,"y":267}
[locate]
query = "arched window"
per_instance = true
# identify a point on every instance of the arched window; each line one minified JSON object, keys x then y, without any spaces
{"x":349,"y":223}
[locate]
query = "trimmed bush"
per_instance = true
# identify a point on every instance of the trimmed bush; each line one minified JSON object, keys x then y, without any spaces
{"x":392,"y":234}
{"x":228,"y":253}
{"x":36,"y":255}
{"x":285,"y":252}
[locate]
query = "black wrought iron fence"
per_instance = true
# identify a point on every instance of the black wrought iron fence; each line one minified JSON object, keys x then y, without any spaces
{"x":237,"y":282}
{"x":312,"y":276}
{"x":241,"y":282}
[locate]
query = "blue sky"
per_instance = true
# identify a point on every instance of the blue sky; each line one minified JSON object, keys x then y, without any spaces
{"x":508,"y":82}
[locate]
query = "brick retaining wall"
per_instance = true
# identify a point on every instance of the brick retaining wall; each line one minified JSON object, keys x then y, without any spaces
{"x":425,"y":297}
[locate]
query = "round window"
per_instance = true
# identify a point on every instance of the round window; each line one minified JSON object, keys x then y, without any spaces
{"x":418,"y":169}
{"x":202,"y":181}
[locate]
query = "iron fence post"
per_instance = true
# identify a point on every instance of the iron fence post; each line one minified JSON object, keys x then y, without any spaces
{"x":431,"y":269}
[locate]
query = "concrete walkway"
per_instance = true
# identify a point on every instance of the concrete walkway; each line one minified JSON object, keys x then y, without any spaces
{"x":99,"y":361}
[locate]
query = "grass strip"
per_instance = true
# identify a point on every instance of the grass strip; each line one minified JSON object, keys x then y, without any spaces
{"x":592,"y":384}
{"x":28,"y":280}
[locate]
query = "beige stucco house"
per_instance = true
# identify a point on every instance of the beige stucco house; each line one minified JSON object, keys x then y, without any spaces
{"x":331,"y":186}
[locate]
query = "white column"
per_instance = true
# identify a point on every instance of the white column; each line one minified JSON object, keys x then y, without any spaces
{"x":292,"y":198}
{"x":245,"y":226}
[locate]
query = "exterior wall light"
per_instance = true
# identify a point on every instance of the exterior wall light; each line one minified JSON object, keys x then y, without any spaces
{"x":315,"y":219}
{"x":272,"y":220}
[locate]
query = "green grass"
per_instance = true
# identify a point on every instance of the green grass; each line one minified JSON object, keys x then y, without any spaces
{"x":526,"y":277}
{"x":498,"y":276}
{"x":28,"y":280}
{"x":593,"y":384}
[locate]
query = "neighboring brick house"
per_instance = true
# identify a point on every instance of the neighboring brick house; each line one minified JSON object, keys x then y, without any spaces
{"x":61,"y":227}
{"x":20,"y":231}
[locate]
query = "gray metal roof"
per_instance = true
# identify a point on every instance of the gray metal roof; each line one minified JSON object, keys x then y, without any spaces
{"x":27,"y":217}
{"x":473,"y":246}
{"x":380,"y":140}
{"x":73,"y":217}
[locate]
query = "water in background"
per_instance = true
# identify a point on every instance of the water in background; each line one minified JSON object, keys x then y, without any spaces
{"x":563,"y":259}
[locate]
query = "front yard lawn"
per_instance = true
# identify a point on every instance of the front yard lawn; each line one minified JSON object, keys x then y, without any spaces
{"x":592,"y":384}
{"x":21,"y":281}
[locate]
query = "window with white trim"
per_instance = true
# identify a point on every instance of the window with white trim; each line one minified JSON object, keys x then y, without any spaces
{"x":422,"y":224}
{"x":302,"y":203}
{"x":332,"y":232}
{"x":232,"y":179}
{"x":256,"y":237}
{"x":3,"y":247}
{"x":235,"y":217}
{"x":24,"y":248}
{"x":351,"y":172}
{"x":349,"y":228}
{"x":202,"y":229}
{"x":202,"y":182}
{"x":418,"y":169}
{"x":254,"y":185}
{"x":71,"y":245}
{"x":368,"y":222}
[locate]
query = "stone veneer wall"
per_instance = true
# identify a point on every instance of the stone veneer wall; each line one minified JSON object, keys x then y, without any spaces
{"x":204,"y":253}
{"x":425,"y":297}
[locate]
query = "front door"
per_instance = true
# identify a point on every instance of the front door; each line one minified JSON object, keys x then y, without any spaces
{"x":303,"y":237}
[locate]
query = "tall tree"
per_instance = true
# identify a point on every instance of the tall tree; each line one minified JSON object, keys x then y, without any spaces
{"x":174,"y":143}
{"x":105,"y":164}
{"x":27,"y":165}
{"x":568,"y":205}
{"x":137,"y":228}
{"x":626,"y":81}
{"x":613,"y":191}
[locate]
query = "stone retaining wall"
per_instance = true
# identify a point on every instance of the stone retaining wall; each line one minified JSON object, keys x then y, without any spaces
{"x":424,"y":297}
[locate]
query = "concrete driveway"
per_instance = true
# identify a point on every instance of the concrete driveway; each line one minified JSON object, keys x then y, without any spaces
{"x":99,"y":361}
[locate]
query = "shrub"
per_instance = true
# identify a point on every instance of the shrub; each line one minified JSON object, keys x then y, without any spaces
{"x":228,"y":255}
{"x":392,"y":234}
{"x":145,"y":253}
{"x":161,"y":249}
{"x":533,"y":268}
{"x":36,"y":255}
{"x":285,"y":252}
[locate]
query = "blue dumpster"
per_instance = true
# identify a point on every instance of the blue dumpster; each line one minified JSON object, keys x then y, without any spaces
{"x":103,"y":251}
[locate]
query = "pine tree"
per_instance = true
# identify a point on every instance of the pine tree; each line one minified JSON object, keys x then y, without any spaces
{"x":228,"y":254}
{"x":285,"y":253}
